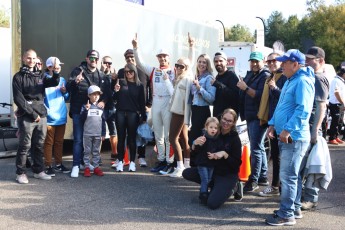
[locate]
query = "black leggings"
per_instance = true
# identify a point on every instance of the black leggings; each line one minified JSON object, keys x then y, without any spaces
{"x":275,"y":155}
{"x":199,"y":117}
{"x":127,"y":125}
{"x":223,"y":186}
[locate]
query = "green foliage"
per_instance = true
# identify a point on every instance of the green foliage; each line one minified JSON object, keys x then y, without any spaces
{"x":238,"y":33}
{"x":4,"y":19}
{"x":326,"y":28}
{"x":323,"y":26}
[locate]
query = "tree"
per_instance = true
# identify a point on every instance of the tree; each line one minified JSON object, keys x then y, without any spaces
{"x":238,"y":33}
{"x":326,"y":28}
{"x":275,"y":24}
{"x":4,"y":19}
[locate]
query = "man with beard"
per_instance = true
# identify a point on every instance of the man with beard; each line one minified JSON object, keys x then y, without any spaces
{"x":227,"y":93}
{"x":252,"y":87}
{"x":81,"y":78}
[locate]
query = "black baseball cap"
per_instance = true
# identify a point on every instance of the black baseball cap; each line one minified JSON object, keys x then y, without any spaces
{"x":315,"y":52}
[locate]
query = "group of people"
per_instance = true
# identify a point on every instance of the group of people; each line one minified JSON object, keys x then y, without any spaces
{"x":279,"y":97}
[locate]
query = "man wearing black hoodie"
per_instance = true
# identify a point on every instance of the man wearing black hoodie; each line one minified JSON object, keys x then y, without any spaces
{"x":28,"y":92}
{"x":81,"y":78}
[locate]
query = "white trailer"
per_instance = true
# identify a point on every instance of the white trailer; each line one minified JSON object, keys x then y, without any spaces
{"x":238,"y":54}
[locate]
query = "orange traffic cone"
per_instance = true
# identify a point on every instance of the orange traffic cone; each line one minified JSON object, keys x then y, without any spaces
{"x":125,"y":158}
{"x":245,"y":166}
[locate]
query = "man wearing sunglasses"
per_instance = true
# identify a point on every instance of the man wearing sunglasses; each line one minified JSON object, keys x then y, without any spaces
{"x":81,"y":78}
{"x":109,"y":109}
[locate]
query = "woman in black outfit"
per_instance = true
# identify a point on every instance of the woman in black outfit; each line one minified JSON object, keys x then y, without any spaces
{"x":227,"y":162}
{"x":130,"y":97}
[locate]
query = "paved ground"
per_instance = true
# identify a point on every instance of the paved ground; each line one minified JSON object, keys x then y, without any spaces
{"x":142,"y":200}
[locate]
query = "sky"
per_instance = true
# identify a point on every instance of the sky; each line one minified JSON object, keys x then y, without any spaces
{"x":230,"y":12}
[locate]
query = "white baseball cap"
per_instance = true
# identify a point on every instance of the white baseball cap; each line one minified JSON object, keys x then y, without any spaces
{"x":162,"y":51}
{"x":50,"y":61}
{"x":93,"y":88}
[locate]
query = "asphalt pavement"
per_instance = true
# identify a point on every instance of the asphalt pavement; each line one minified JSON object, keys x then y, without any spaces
{"x":144,"y":200}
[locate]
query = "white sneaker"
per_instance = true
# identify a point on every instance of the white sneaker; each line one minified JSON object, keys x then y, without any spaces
{"x":115,"y":163}
{"x":132,"y":167}
{"x":177,"y":172}
{"x":22,"y":179}
{"x":75,"y":172}
{"x":119,"y":167}
{"x":42,"y":175}
{"x":142,"y":162}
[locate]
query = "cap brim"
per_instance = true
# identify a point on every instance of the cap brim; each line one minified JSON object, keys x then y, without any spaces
{"x":162,"y":54}
{"x":256,"y":59}
{"x":310,"y":56}
{"x":282,"y":58}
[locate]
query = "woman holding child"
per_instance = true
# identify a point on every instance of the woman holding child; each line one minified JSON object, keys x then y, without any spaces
{"x":227,"y":161}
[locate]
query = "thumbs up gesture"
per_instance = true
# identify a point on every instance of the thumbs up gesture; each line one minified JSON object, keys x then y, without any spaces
{"x":117,"y":86}
{"x":88,"y":105}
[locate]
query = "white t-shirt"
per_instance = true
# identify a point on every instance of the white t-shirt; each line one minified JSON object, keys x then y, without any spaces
{"x":337,"y":85}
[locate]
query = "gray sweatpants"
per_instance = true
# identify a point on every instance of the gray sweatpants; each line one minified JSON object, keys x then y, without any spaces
{"x":92,"y":146}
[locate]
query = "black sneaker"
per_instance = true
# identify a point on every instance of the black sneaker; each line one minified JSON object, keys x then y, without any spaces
{"x":250,"y":186}
{"x":238,"y":195}
{"x":263,"y":182}
{"x":203,"y":197}
{"x":297,"y":213}
{"x":275,"y":220}
{"x":159,"y":166}
{"x":61,"y":168}
{"x":167,"y":169}
{"x":50,"y":171}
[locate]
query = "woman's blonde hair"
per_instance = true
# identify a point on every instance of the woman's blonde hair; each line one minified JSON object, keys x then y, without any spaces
{"x":210,"y":120}
{"x":208,"y":63}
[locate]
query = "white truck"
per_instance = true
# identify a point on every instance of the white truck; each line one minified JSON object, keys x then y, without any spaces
{"x":238,"y":54}
{"x":71,"y":28}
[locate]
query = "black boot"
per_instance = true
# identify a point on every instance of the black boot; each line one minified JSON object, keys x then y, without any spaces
{"x":203,"y":198}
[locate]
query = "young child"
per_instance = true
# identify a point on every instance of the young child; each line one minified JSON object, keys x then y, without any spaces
{"x":94,"y":131}
{"x":205,"y":165}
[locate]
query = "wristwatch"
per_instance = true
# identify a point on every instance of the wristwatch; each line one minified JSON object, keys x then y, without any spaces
{"x":246,"y":89}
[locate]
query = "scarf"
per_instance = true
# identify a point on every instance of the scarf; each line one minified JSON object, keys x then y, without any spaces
{"x":27,"y":72}
{"x":264,"y":103}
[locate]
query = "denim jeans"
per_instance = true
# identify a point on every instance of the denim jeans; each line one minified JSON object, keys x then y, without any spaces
{"x":110,"y":120}
{"x":31,"y":135}
{"x":78,"y":130}
{"x":291,"y":156}
{"x":258,"y":159}
{"x":205,"y":177}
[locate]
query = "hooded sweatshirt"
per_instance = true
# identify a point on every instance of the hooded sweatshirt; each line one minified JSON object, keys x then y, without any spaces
{"x":295,"y":105}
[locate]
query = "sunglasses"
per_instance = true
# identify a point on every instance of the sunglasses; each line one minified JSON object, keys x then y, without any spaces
{"x":271,"y":61}
{"x":107,"y":63}
{"x":128,"y":57}
{"x":178,"y":66}
{"x":93,"y":59}
{"x":38,"y":63}
{"x":129,"y":71}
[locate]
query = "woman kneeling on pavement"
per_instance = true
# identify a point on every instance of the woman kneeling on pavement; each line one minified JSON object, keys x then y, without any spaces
{"x":227,"y":165}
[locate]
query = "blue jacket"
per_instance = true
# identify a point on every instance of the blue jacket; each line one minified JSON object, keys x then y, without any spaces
{"x":295,"y":105}
{"x":55,"y":102}
{"x":207,"y":93}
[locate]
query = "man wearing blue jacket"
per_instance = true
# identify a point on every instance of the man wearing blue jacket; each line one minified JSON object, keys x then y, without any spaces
{"x":291,"y":122}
